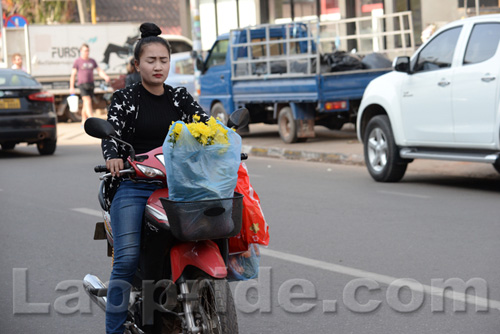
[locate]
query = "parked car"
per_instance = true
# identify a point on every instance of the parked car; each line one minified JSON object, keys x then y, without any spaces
{"x":27,"y":112}
{"x":440,"y":104}
{"x":178,"y":43}
{"x":181,"y":71}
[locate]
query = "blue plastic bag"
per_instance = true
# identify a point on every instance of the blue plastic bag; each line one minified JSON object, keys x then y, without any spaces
{"x":197,"y":172}
{"x":244,"y":266}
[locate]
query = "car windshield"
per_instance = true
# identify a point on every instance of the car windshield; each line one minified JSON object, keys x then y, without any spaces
{"x":180,"y":46}
{"x":184,"y":66}
{"x":17,"y":79}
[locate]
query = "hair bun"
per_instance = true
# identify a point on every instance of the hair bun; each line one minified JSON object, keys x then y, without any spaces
{"x":149,"y":29}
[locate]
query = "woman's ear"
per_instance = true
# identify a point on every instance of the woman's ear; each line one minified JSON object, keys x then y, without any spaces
{"x":136,"y":64}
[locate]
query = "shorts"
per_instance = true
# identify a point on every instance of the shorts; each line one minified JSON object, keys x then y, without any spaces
{"x":86,"y":89}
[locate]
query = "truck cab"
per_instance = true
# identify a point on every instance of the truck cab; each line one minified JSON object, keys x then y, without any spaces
{"x":442,"y":103}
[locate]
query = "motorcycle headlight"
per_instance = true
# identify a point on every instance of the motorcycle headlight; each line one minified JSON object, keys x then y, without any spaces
{"x":150,"y":171}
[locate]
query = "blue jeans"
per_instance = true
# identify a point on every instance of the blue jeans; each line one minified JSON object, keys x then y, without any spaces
{"x":126,"y":212}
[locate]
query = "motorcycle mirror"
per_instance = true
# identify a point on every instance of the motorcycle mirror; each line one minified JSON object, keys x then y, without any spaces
{"x":98,"y":128}
{"x":239,"y":118}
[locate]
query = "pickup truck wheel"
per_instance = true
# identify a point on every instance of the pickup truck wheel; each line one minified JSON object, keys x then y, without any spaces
{"x":287,"y":127}
{"x":218,"y":111}
{"x":496,"y":165}
{"x":381,"y":153}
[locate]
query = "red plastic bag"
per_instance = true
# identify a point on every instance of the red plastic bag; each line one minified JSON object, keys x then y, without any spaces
{"x":254,"y":229}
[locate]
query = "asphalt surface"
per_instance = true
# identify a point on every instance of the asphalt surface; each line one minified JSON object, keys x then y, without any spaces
{"x":330,"y":146}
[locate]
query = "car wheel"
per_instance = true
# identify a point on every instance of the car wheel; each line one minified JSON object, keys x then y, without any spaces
{"x":218,"y":111}
{"x":8,"y":146}
{"x":46,"y":147}
{"x":381,"y":153}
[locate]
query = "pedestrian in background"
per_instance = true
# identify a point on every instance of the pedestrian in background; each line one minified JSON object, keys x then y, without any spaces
{"x":132,"y":74}
{"x":17,"y":62}
{"x":84,"y":67}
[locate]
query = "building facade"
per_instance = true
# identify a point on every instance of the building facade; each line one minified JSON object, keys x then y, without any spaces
{"x":219,"y":16}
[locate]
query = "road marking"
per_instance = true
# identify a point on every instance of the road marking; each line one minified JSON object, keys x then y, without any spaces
{"x":90,"y":212}
{"x":384,"y":279}
{"x":403,"y":194}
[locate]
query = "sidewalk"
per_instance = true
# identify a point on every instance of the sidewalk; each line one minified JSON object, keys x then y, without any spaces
{"x":329,"y":146}
{"x":263,"y":140}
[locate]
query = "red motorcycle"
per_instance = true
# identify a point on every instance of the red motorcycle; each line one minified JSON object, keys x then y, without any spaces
{"x":180,"y":285}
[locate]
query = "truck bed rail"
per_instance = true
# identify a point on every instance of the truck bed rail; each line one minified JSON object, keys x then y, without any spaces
{"x":294,"y":49}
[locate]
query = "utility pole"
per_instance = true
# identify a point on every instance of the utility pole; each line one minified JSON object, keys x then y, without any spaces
{"x":93,"y":12}
{"x":82,"y":10}
{"x":196,"y":37}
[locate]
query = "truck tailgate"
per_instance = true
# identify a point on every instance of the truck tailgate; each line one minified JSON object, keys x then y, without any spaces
{"x":298,"y":89}
{"x":348,"y":85}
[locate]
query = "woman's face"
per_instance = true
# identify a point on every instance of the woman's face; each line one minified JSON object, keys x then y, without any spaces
{"x":154,"y":64}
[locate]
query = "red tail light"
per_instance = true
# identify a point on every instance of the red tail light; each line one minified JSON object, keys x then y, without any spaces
{"x":41,"y":96}
{"x":336,"y":105}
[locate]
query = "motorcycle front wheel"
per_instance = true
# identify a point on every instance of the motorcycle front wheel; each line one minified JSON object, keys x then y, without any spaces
{"x":217,"y":312}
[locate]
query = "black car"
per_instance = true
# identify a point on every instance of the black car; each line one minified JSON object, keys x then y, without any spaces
{"x":27,"y":112}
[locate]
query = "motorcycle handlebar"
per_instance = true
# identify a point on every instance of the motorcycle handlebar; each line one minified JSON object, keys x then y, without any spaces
{"x":104,"y":169}
{"x":100,"y":169}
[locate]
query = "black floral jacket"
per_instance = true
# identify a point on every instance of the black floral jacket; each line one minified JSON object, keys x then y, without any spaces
{"x":122,"y":114}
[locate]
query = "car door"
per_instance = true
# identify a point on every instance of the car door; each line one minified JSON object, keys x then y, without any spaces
{"x":426,"y":108}
{"x":215,"y":81}
{"x":475,"y":86}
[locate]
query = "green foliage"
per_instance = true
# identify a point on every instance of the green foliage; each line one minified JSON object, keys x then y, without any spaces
{"x":41,"y":11}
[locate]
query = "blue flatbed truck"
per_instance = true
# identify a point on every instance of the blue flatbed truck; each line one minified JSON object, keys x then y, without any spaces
{"x":276,"y":72}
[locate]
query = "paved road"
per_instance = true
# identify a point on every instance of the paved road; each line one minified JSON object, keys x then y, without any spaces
{"x":331,"y":226}
{"x":338,"y":147}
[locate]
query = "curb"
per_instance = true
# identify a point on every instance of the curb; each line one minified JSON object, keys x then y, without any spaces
{"x":281,"y":153}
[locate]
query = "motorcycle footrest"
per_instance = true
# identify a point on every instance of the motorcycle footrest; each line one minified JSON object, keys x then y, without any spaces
{"x":100,"y":231}
{"x":188,"y":297}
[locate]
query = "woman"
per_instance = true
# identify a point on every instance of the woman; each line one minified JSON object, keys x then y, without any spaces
{"x":141,"y":115}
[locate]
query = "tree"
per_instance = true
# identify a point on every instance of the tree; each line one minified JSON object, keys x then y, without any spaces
{"x":41,"y":11}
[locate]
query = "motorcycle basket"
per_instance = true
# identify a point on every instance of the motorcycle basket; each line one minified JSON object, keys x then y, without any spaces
{"x":205,"y":219}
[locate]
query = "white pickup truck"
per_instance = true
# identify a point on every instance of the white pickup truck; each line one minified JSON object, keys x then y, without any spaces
{"x":442,"y":103}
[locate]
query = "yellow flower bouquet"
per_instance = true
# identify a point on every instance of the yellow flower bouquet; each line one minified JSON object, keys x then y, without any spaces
{"x":201,"y":160}
{"x":209,"y":133}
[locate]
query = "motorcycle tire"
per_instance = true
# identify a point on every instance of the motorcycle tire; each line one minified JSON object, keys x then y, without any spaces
{"x":216,"y":306}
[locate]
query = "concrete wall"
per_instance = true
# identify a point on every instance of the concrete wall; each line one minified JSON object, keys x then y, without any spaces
{"x":440,"y":12}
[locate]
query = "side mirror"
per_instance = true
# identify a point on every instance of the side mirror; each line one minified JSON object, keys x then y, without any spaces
{"x":98,"y":128}
{"x":239,"y":118}
{"x":198,"y":60}
{"x":199,"y":64}
{"x":402,"y":64}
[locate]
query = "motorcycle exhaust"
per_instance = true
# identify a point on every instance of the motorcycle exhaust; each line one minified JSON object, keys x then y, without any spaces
{"x":96,"y":290}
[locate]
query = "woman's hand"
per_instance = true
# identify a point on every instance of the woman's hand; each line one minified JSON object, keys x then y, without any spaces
{"x":114,"y":166}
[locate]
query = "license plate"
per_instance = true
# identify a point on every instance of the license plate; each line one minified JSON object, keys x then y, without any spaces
{"x":10,"y":104}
